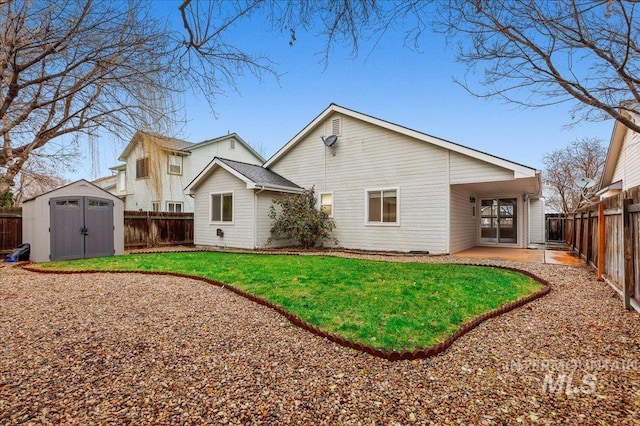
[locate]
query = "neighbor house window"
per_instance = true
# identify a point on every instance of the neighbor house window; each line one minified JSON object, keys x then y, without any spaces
{"x":382,"y":206}
{"x":232,"y":144}
{"x":222,"y":207}
{"x":142,"y":167}
{"x":174,"y":207}
{"x":326,"y":203}
{"x":155,"y":206}
{"x":175,"y":165}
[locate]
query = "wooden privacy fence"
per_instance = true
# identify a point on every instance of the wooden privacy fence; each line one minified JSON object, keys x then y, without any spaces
{"x":151,"y":229}
{"x":606,"y":235}
{"x":141,"y":229}
{"x":10,"y":228}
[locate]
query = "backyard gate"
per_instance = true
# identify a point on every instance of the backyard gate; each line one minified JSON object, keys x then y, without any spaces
{"x":81,"y":227}
{"x":75,"y":221}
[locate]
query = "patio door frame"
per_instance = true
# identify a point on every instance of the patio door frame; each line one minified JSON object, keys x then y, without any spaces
{"x":518,"y":218}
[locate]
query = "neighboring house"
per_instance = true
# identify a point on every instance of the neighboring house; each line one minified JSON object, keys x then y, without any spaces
{"x":108,"y":183}
{"x":386,"y":187}
{"x":622,"y":168}
{"x":156,"y":169}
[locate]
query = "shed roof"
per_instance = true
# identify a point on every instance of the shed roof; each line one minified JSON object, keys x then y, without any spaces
{"x":79,"y":183}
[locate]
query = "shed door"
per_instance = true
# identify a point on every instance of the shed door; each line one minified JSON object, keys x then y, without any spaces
{"x":98,"y":221}
{"x":67,"y":219}
{"x":81,"y":227}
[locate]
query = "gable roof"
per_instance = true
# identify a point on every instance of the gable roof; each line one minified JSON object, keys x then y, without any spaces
{"x":222,"y":138}
{"x":518,"y":169}
{"x":165,"y":142}
{"x":256,"y":177}
{"x":182,"y":146}
{"x":614,"y":150}
{"x":80,"y":182}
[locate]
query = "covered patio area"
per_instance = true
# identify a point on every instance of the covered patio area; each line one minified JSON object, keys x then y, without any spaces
{"x":540,"y":255}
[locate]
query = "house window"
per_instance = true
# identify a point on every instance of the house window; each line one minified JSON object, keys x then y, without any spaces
{"x":174,"y":207}
{"x":326,"y":203}
{"x":232,"y":144}
{"x":222,"y":207}
{"x":122,"y":180}
{"x":142,"y":167}
{"x":155,"y":206}
{"x":175,"y":165}
{"x":382,"y":206}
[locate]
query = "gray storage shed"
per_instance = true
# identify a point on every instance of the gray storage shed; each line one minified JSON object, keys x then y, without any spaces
{"x":75,"y":221}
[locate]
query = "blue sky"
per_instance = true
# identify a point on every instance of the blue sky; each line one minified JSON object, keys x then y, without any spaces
{"x":391,"y":82}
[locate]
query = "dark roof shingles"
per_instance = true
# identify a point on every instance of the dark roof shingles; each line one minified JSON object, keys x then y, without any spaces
{"x":259,"y":174}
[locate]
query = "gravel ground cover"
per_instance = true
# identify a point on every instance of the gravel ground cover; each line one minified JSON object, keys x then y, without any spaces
{"x":138,"y":349}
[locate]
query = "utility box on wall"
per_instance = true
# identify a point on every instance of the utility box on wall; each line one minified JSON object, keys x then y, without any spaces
{"x":76,"y":221}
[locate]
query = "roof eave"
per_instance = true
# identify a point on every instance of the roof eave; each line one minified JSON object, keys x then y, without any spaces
{"x":510,"y":165}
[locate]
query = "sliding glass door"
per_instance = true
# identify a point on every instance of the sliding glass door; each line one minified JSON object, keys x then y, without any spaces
{"x":499,"y":221}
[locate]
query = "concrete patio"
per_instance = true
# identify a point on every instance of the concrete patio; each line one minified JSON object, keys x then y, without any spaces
{"x":541,"y":255}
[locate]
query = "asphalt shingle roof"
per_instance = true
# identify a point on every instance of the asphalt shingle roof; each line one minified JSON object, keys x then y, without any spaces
{"x":259,"y":174}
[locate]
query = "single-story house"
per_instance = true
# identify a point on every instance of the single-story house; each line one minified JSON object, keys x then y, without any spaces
{"x":621,"y":170}
{"x":387,"y":187}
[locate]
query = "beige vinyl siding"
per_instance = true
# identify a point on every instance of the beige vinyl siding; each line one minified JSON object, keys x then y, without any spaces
{"x":627,"y":169}
{"x":465,"y":169}
{"x":202,"y":155}
{"x":239,"y":234}
{"x":536,"y":221}
{"x":141,"y":193}
{"x":263,"y":222}
{"x":370,"y":157}
{"x":464,"y":226}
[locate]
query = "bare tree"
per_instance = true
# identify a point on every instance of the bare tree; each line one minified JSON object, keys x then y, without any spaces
{"x":582,"y":158}
{"x":75,"y":68}
{"x":537,"y":53}
{"x":532,"y":53}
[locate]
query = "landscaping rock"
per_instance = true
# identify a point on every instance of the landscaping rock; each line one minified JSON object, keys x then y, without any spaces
{"x":140,"y":349}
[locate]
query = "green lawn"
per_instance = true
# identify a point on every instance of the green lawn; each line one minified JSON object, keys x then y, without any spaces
{"x":391,"y":306}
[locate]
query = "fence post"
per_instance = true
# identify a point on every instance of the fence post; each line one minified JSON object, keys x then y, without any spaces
{"x":148,"y":229}
{"x":589,"y":247}
{"x":574,"y":226}
{"x":627,"y":250}
{"x":601,"y":241}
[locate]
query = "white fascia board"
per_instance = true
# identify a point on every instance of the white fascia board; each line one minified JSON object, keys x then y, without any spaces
{"x":276,"y":188}
{"x":207,"y":171}
{"x":519,"y":170}
{"x":299,"y":136}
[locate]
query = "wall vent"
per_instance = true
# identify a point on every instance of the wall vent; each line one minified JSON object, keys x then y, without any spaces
{"x":336,"y":126}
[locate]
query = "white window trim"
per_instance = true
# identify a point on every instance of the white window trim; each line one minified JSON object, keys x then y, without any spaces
{"x":233,"y":208}
{"x":366,"y":206}
{"x":174,"y":210}
{"x":169,"y":164}
{"x":332,"y":201}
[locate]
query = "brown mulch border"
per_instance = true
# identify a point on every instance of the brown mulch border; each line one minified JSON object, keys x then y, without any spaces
{"x":423,"y":353}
